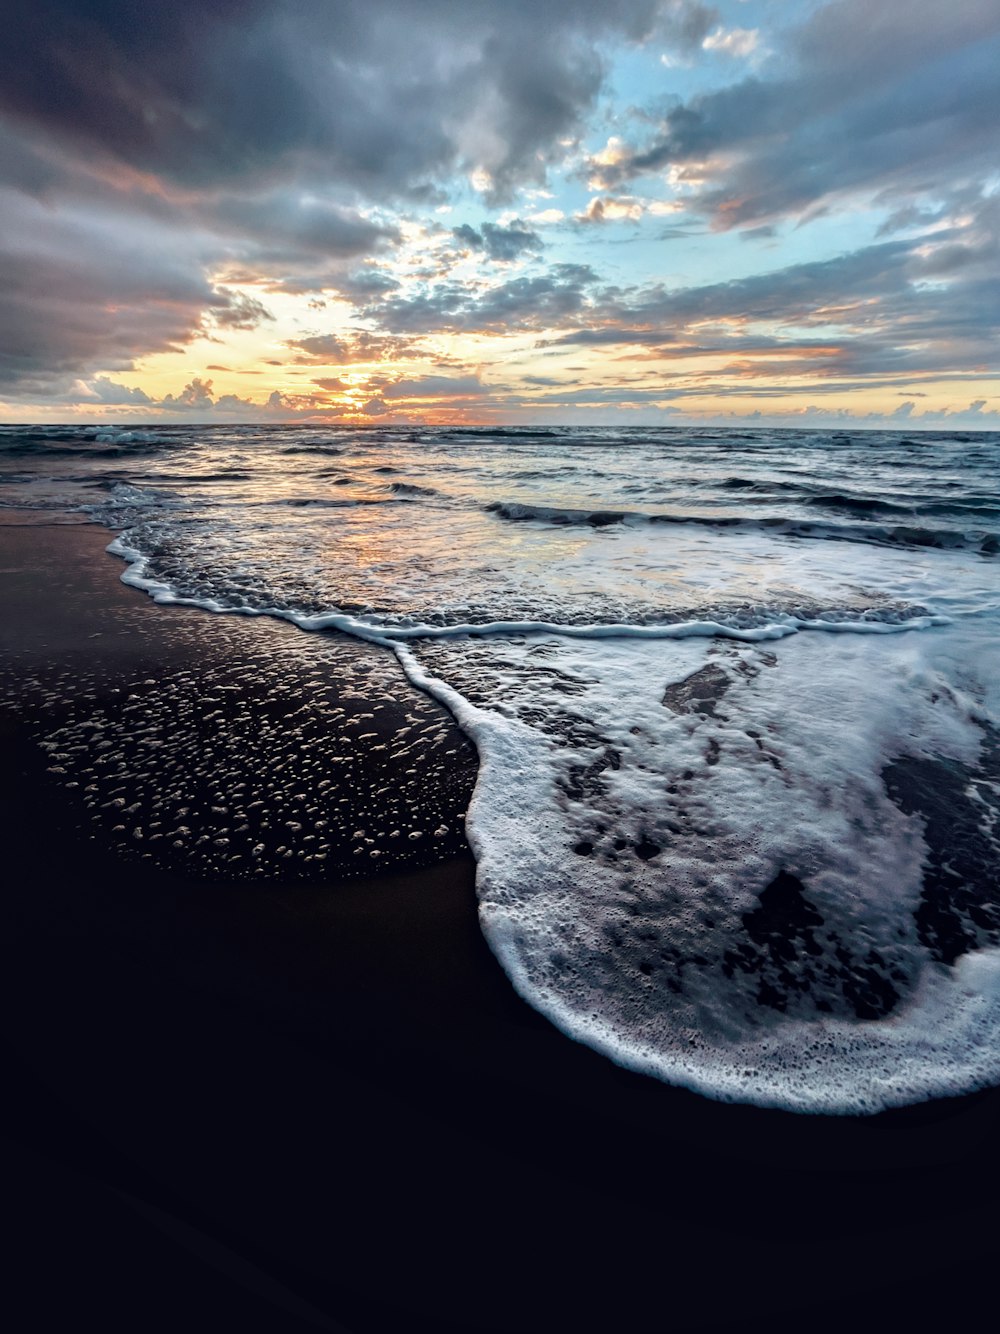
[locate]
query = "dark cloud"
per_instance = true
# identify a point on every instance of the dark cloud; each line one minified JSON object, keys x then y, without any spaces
{"x":502,"y":243}
{"x":816,"y":293}
{"x":329,"y":349}
{"x":242,"y":312}
{"x":362,"y":284}
{"x":610,"y":335}
{"x":540,"y":302}
{"x":684,"y":25}
{"x":383,"y":95}
{"x":864,"y":97}
{"x":299,"y":275}
{"x":284,"y":229}
{"x":82,"y":292}
{"x":468,"y":236}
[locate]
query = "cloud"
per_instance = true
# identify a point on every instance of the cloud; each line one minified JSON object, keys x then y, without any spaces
{"x":906,"y":307}
{"x":612,"y":210}
{"x":355,"y":346}
{"x":684,"y":26}
{"x":329,"y":349}
{"x":83,"y":291}
{"x":259,"y":141}
{"x":198,"y":399}
{"x":737,"y":42}
{"x":242,"y":312}
{"x":467,"y":236}
{"x":765,"y":232}
{"x":819,"y":416}
{"x":917,"y":101}
{"x":379,"y":95}
{"x":538,"y":302}
{"x":106,"y":391}
{"x":295,"y":234}
{"x":882,"y":313}
{"x":546,"y":216}
{"x":191,"y":173}
{"x":437,"y":387}
{"x":194,"y":397}
{"x":501,"y":243}
{"x":281,"y":228}
{"x":301,"y":275}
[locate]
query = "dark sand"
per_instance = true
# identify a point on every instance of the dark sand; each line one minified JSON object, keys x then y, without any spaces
{"x":235,"y":1102}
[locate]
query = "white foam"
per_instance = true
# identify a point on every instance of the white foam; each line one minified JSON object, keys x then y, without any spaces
{"x":695,"y":629}
{"x":831,"y":718}
{"x":388,"y":633}
{"x":120,"y":435}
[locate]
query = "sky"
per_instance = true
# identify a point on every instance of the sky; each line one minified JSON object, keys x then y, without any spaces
{"x":626,"y":212}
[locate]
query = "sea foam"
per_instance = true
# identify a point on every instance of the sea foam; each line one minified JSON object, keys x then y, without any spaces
{"x":621,"y":877}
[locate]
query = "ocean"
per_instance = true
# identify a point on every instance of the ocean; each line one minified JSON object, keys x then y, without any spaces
{"x":735,"y":696}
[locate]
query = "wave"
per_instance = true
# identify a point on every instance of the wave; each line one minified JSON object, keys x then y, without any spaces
{"x":839,"y":501}
{"x":915,"y":508}
{"x":126,"y":436}
{"x":125,"y":496}
{"x":906,"y":535}
{"x":334,"y":503}
{"x":196,"y":478}
{"x":746,"y":625}
{"x":517,"y":512}
{"x":84,"y":443}
{"x":855,"y":504}
{"x":321,"y":448}
{"x":411,"y":489}
{"x":506,"y":433}
{"x":35,"y":449}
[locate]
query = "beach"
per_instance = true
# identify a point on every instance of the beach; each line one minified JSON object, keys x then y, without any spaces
{"x":260,"y":1103}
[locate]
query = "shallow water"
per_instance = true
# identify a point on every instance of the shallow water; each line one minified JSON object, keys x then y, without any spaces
{"x":735,"y":694}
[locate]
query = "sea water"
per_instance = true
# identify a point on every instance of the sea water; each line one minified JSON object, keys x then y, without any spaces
{"x":736,"y":698}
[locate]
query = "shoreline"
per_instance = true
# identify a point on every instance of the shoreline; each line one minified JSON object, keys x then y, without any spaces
{"x":333,"y":1081}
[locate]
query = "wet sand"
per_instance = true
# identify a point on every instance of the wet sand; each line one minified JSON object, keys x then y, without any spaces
{"x":257,"y":1100}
